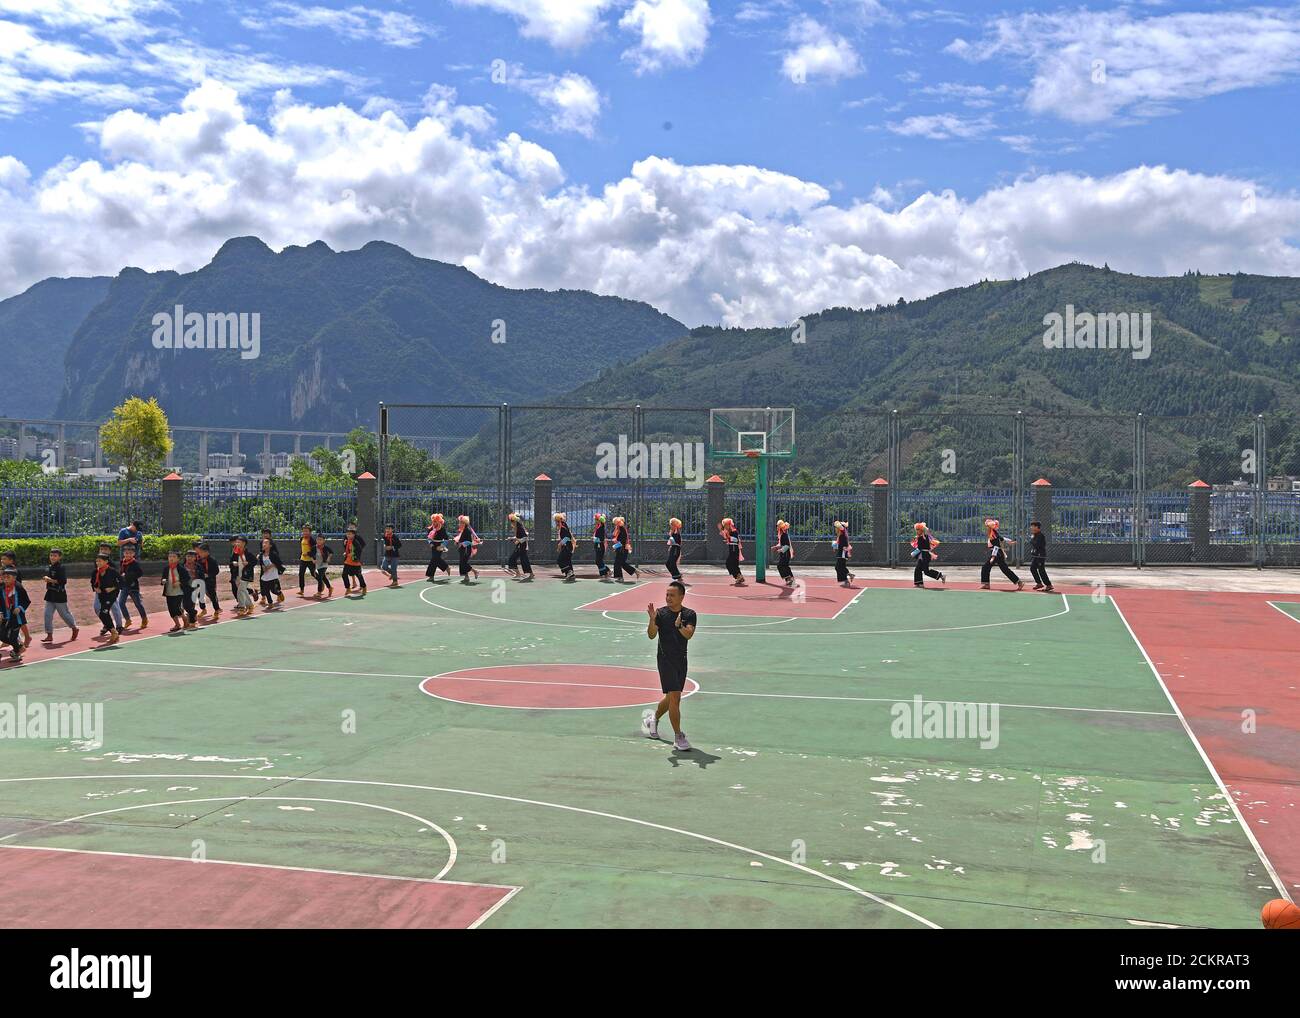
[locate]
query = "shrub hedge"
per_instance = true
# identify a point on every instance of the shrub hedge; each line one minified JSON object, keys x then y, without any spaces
{"x":35,"y":551}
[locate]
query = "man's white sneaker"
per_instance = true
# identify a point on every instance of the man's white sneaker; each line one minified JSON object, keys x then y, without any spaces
{"x":649,"y":726}
{"x":680,"y":742}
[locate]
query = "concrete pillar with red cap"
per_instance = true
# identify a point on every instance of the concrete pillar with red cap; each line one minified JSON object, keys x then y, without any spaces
{"x":173,"y":503}
{"x":367,"y":514}
{"x":1198,"y":520}
{"x":1043,"y":504}
{"x":543,"y":544}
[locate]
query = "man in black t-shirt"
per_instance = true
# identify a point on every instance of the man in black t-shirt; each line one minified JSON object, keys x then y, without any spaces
{"x":674,"y":626}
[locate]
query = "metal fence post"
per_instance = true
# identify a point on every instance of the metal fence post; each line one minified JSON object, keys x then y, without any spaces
{"x":894,"y":459}
{"x":380,"y":466}
{"x":1139,"y":490}
{"x":1261,"y":489}
{"x":638,"y":482}
{"x":504,"y":424}
{"x":1018,"y":479}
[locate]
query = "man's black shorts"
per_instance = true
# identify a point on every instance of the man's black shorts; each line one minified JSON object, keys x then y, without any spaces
{"x":672,"y":675}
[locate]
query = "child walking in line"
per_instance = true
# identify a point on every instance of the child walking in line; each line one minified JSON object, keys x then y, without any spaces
{"x":210,"y":572}
{"x":467,"y":543}
{"x":129,"y":574}
{"x":923,"y":551}
{"x":176,"y":592}
{"x":731,"y":538}
{"x":997,"y":556}
{"x":56,"y":596}
{"x":242,"y":563}
{"x":306,"y":558}
{"x":622,"y":545}
{"x":439,"y":543}
{"x":271,"y":570}
{"x":13,"y":615}
{"x":598,"y":541}
{"x":107,"y":585}
{"x":114,"y":610}
{"x":784,"y":552}
{"x":197,"y":587}
{"x":323,"y":554}
{"x":353,"y":545}
{"x":519,"y":557}
{"x":564,"y":548}
{"x":105,"y":581}
{"x":674,"y":548}
{"x":1038,"y":558}
{"x":843,"y":552}
{"x":392,"y":554}
{"x":9,"y":560}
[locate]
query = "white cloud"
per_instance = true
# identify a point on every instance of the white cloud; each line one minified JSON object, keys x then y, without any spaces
{"x":562,"y":23}
{"x":940,"y":126}
{"x":1091,"y":66}
{"x":818,"y":53}
{"x":390,"y":28}
{"x":192,"y":64}
{"x":22,"y":49}
{"x":672,"y":32}
{"x":737,"y":244}
{"x":571,"y":101}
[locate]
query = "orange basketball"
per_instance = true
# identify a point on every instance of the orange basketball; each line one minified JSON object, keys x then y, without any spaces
{"x":1280,"y":914}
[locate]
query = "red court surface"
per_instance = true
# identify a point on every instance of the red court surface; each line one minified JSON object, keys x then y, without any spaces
{"x":550,"y":687}
{"x":1222,"y":655}
{"x":815,"y":598}
{"x":49,"y":889}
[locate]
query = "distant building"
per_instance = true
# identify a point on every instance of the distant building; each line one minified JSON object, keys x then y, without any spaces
{"x":1284,"y":483}
{"x":8,"y":449}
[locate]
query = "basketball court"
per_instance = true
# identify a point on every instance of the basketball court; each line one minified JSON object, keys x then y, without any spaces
{"x":442,"y":755}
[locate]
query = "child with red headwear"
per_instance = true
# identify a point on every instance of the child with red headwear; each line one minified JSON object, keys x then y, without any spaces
{"x":731,"y":536}
{"x":923,"y":551}
{"x":674,"y":548}
{"x":997,"y":556}
{"x":439,"y":542}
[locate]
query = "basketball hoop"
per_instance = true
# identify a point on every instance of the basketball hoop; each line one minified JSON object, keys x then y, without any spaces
{"x":752,"y":453}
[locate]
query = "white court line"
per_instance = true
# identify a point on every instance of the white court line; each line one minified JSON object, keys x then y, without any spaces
{"x":257,"y":865}
{"x":614,"y":593}
{"x":851,"y":601}
{"x":526,"y":802}
{"x":530,"y":682}
{"x":601,"y":685}
{"x":306,"y":603}
{"x":783,"y":633}
{"x":900,"y":699}
{"x":747,"y":625}
{"x":1232,"y":802}
{"x":236,"y":800}
{"x":1278,"y":606}
{"x":246,"y":668}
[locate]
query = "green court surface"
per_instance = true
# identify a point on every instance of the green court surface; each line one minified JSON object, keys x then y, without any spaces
{"x":303,"y":739}
{"x":1287,"y":608}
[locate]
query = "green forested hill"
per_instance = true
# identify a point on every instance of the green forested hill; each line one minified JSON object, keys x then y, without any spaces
{"x":1223,"y":349}
{"x":341,"y":331}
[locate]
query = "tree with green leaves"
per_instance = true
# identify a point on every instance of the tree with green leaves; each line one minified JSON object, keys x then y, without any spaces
{"x":407,"y":463}
{"x":138,"y":439}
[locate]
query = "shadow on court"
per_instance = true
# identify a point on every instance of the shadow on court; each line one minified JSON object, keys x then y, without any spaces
{"x":698,"y":757}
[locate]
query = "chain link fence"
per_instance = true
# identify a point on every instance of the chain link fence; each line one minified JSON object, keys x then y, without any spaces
{"x":1112,"y":488}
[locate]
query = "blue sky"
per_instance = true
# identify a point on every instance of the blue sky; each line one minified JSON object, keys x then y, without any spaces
{"x":743,"y":162}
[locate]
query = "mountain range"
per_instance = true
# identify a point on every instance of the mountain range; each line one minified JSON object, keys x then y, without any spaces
{"x":340,"y":331}
{"x":337,"y":333}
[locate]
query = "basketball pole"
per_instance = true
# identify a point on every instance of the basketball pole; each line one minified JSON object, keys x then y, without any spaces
{"x":760,"y":518}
